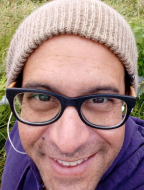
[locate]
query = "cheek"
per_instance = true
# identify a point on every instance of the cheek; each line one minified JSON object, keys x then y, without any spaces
{"x":114,"y":139}
{"x":29,"y":135}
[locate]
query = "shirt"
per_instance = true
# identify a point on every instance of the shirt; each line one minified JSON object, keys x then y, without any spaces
{"x":126,"y":172}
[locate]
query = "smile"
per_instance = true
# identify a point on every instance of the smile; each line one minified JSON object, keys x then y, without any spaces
{"x":75,"y":163}
{"x":70,"y":168}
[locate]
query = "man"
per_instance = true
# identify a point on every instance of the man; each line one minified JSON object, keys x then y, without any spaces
{"x":72,"y":78}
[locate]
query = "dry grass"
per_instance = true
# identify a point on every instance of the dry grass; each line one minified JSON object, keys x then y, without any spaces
{"x":132,"y":10}
{"x":12,"y":12}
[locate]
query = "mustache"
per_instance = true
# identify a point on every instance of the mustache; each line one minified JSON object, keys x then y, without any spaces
{"x":86,"y":150}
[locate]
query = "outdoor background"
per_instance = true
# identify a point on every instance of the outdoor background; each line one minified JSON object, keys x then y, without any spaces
{"x":12,"y":12}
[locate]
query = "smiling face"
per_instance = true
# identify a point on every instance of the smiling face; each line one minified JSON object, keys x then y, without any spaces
{"x":68,"y":153}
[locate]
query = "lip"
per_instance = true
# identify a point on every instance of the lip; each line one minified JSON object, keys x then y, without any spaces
{"x":68,"y":171}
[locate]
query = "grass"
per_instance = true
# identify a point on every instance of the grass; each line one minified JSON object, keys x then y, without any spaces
{"x":132,"y":10}
{"x":3,"y":136}
{"x":12,"y":12}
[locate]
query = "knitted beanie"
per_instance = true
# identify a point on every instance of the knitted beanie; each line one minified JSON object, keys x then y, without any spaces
{"x":92,"y":19}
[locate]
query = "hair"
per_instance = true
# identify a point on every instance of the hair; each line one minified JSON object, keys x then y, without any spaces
{"x":128,"y":83}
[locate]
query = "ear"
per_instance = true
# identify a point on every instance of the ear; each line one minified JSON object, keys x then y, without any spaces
{"x":13,"y":84}
{"x":132,"y":91}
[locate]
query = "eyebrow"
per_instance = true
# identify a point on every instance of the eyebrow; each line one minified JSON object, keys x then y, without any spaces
{"x":105,"y":89}
{"x":93,"y":90}
{"x":39,"y":86}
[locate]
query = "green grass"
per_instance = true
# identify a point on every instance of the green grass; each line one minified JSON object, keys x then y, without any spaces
{"x":132,"y":10}
{"x":3,"y":135}
{"x":12,"y":12}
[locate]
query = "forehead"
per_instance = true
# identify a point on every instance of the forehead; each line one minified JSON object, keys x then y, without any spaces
{"x":72,"y":62}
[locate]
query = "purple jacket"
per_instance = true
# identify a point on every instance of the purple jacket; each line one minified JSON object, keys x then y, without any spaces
{"x":126,"y":172}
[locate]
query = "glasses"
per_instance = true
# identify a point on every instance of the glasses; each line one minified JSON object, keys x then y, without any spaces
{"x":42,"y":107}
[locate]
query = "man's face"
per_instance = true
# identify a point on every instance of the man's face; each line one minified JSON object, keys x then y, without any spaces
{"x":72,"y":66}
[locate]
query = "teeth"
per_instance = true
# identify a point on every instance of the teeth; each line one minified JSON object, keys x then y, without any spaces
{"x":73,"y":163}
{"x":70,"y":163}
{"x":85,"y":158}
{"x":64,"y":163}
{"x":59,"y":161}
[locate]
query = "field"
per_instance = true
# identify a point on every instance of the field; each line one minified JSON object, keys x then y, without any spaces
{"x":12,"y":12}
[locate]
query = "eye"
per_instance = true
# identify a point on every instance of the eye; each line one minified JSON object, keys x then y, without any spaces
{"x":41,"y":97}
{"x":97,"y":100}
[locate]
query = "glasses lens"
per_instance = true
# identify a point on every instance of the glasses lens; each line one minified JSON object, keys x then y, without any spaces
{"x":104,"y":111}
{"x":36,"y":107}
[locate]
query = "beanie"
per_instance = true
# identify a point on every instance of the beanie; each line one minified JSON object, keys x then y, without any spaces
{"x":91,"y":19}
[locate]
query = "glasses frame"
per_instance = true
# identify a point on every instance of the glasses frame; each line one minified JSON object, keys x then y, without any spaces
{"x":67,"y":101}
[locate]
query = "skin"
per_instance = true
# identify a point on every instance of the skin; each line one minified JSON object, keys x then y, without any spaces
{"x":72,"y":66}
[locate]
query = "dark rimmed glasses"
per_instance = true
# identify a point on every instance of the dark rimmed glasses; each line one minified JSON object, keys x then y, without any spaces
{"x":41,"y":107}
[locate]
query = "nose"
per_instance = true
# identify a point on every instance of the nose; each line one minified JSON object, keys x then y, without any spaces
{"x":69,"y":133}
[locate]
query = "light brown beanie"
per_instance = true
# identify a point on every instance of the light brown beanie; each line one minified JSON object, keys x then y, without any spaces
{"x":91,"y":19}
